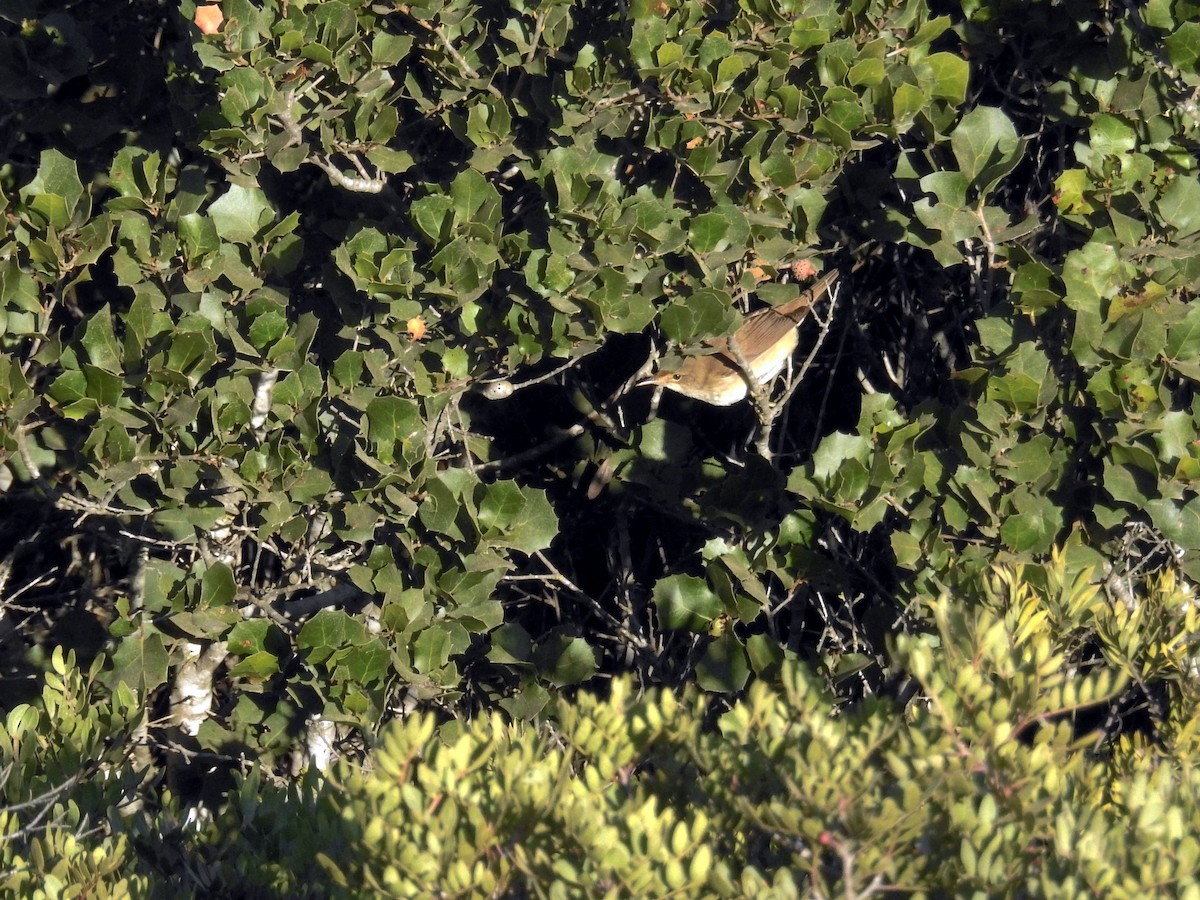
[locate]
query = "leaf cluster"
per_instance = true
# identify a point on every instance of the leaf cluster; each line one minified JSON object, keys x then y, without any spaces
{"x":997,"y":779}
{"x":318,"y":404}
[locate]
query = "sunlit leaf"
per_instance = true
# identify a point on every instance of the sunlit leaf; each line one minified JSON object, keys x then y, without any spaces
{"x":241,"y":213}
{"x":684,"y":601}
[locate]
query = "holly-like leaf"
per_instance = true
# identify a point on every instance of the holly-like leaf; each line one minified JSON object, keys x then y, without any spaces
{"x":140,"y":661}
{"x":56,"y":189}
{"x":986,"y":146}
{"x":686,"y":602}
{"x":100,"y":341}
{"x":1179,"y":204}
{"x":1179,"y":522}
{"x":724,"y":668}
{"x":392,"y":420}
{"x":241,"y":213}
{"x":534,"y":526}
{"x":564,"y":659}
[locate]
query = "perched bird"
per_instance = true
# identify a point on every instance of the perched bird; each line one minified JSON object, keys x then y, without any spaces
{"x":765,"y":340}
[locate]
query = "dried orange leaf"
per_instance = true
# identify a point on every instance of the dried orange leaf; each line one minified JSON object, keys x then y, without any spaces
{"x":209,"y":18}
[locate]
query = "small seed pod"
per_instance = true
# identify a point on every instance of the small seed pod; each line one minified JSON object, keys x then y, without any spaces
{"x":497,"y":390}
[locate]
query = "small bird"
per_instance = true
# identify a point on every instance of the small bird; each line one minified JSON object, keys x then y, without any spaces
{"x":766,"y":340}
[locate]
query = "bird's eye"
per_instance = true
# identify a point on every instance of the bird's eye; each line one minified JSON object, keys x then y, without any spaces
{"x":675,"y":376}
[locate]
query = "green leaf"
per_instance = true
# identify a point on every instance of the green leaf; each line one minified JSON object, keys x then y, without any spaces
{"x":205,"y":624}
{"x":435,"y":645}
{"x":1033,"y":287}
{"x":930,"y":31}
{"x":527,"y":704}
{"x":1179,"y":522}
{"x":1183,"y":341}
{"x":267,"y":329}
{"x":1091,"y":274}
{"x":100,"y":341}
{"x":686,"y":602}
{"x":1027,"y":375}
{"x":705,"y":313}
{"x":390,"y":161}
{"x":835,"y":451}
{"x":140,"y":661}
{"x":241,"y":213}
{"x":1034,"y":524}
{"x":564,"y":659}
{"x":392,"y":420}
{"x":511,"y":645}
{"x":439,"y":508}
{"x":103,"y":387}
{"x":18,"y":290}
{"x":728,"y":69}
{"x":536,"y":524}
{"x":907,"y":101}
{"x":502,"y":502}
{"x":248,"y":637}
{"x":68,"y":390}
{"x":199,"y":233}
{"x":388,"y":49}
{"x":1179,"y":205}
{"x":474,"y":198}
{"x":217,"y":587}
{"x":193,"y":350}
{"x":57,"y":179}
{"x":1183,"y":47}
{"x":432,"y":217}
{"x":1111,"y":136}
{"x":707,"y":230}
{"x":330,"y":629}
{"x":1071,"y":192}
{"x":986,"y":146}
{"x":868,"y":72}
{"x":944,"y":76}
{"x":1034,"y":462}
{"x":132,"y":174}
{"x":1177,"y":430}
{"x":764,"y":653}
{"x":366,"y":664}
{"x":260,"y":665}
{"x":1131,"y":476}
{"x":724,"y":668}
{"x":780,"y":168}
{"x":182,"y":523}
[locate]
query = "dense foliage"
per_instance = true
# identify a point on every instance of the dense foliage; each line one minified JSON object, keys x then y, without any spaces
{"x":321,"y":327}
